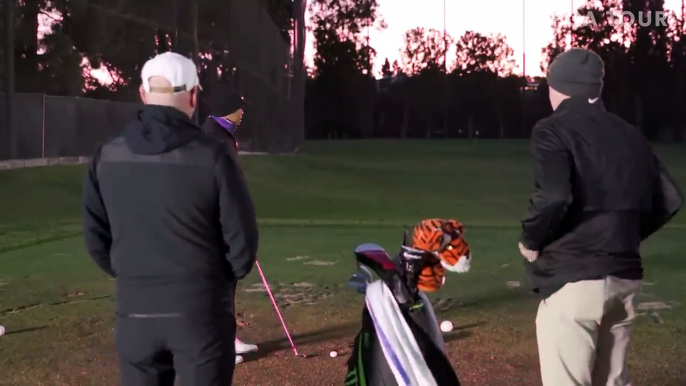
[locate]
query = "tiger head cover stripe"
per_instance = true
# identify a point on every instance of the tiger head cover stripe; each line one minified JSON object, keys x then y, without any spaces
{"x":448,"y":250}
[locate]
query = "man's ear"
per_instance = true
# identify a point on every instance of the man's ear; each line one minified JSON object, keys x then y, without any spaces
{"x":194,"y":97}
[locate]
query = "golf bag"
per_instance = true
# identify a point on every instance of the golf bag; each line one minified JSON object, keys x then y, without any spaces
{"x":399,"y":343}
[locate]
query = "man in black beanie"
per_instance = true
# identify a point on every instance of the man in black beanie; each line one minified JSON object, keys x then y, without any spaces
{"x":599,"y":192}
{"x":227,"y":115}
{"x":227,"y":110}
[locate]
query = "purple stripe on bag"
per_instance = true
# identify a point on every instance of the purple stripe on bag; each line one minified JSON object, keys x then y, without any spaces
{"x":386,"y":344}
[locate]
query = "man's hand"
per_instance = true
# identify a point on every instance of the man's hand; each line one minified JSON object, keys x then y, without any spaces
{"x":531,"y":256}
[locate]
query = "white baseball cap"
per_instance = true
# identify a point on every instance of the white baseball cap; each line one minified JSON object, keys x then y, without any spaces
{"x":179,"y":70}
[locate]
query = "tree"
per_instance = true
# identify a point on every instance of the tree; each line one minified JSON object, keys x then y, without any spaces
{"x":386,"y":70}
{"x":61,"y":69}
{"x":343,"y":63}
{"x":121,"y":39}
{"x":425,"y":50}
{"x":637,"y":66}
{"x":478,"y":93}
{"x":650,"y":69}
{"x":281,"y":13}
{"x":337,"y":30}
{"x":610,"y":40}
{"x":423,"y":58}
{"x":677,"y":55}
{"x":396,"y":68}
{"x":44,"y":58}
{"x":478,"y":53}
{"x":122,"y":35}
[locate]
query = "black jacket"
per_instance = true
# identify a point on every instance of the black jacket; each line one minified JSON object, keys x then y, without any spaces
{"x":168,"y":215}
{"x":599,"y":192}
{"x":215,"y":129}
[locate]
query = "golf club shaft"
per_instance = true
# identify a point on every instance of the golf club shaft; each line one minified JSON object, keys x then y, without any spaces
{"x":276,"y":306}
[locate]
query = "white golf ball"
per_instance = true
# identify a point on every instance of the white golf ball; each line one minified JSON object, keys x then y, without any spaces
{"x":2,"y":330}
{"x":333,"y":354}
{"x":446,"y":326}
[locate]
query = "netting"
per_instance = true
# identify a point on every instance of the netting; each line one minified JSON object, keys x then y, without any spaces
{"x":49,"y":126}
{"x":236,"y":43}
{"x":258,"y":65}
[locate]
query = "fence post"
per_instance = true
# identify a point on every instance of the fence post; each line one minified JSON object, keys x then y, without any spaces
{"x":42,"y":152}
{"x":10,"y":82}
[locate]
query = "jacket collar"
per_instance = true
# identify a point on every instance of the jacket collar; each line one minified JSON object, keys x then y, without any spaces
{"x":577,"y":103}
{"x":165,"y":115}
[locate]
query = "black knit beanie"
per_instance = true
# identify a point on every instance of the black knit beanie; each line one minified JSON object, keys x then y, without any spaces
{"x":223,"y":101}
{"x":577,"y":72}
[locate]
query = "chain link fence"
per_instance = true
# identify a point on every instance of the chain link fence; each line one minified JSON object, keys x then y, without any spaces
{"x":51,"y":127}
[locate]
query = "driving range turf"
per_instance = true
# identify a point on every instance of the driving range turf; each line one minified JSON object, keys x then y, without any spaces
{"x":313,"y":209}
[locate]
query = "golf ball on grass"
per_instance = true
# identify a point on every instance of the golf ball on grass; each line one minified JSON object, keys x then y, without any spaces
{"x":333,"y":354}
{"x":2,"y":330}
{"x":446,"y":326}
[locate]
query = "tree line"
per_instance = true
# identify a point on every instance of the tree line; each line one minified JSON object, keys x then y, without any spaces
{"x":442,"y":86}
{"x":58,"y":42}
{"x":475,"y":94}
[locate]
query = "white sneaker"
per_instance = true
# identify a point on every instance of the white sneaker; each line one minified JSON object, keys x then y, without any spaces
{"x":244,"y":348}
{"x":239,"y":359}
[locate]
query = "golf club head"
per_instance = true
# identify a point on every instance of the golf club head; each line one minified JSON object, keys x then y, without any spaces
{"x":358,"y":283}
{"x":377,"y":259}
{"x":360,"y":280}
{"x":365,"y":273}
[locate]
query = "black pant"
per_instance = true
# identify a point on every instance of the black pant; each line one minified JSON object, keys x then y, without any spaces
{"x":154,"y":350}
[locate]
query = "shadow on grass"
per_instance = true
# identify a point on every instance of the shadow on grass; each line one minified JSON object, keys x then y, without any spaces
{"x":337,"y":331}
{"x":491,"y":300}
{"x":340,"y":331}
{"x":23,"y":330}
{"x":455,"y":336}
{"x":461,"y":332}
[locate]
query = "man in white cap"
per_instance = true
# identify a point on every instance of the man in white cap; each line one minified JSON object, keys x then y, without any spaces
{"x":168,"y":215}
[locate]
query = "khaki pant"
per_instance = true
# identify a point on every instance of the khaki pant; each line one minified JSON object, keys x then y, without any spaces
{"x":583,"y":332}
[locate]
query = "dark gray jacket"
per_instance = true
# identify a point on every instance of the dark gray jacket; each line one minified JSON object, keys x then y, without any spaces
{"x":167,"y":213}
{"x":599,"y":192}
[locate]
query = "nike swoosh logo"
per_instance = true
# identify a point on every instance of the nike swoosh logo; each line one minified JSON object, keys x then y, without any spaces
{"x":594,"y":100}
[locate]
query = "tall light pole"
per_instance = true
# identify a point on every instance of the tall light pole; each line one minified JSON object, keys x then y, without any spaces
{"x":371,"y":81}
{"x":445,"y":40}
{"x":10,"y":135}
{"x":524,"y":39}
{"x":369,"y":56}
{"x":571,"y":21}
{"x":175,"y":25}
{"x":196,"y":46}
{"x":680,"y":72}
{"x":445,"y":68}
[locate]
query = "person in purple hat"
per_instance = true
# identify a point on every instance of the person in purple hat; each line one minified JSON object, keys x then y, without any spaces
{"x":224,"y":126}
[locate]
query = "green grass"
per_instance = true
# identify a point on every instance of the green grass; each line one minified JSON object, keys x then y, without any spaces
{"x":320,"y":204}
